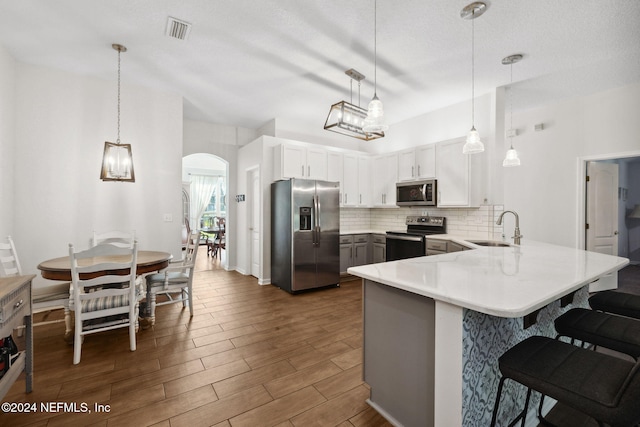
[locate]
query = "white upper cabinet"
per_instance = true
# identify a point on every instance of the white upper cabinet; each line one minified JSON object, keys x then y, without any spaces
{"x":384,"y":178}
{"x":426,"y":161}
{"x":364,"y":181}
{"x":335,"y":169}
{"x":356,"y":184}
{"x":298,"y":161}
{"x":350,"y":180}
{"x":458,"y":182}
{"x":417,"y":163}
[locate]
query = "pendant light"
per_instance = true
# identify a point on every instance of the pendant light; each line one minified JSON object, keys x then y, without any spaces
{"x":473,"y":143}
{"x":511,"y":158}
{"x":375,"y":121}
{"x":347,"y":118}
{"x":117,"y":162}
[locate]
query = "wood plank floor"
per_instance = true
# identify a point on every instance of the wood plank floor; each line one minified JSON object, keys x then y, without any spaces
{"x":250,"y":356}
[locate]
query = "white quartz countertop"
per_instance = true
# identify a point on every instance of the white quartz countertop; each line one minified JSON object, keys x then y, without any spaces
{"x":362,"y":231}
{"x":508,"y":281}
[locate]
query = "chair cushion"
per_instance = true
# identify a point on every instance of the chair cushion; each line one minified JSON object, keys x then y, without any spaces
{"x":50,"y":292}
{"x":175,"y":277}
{"x":616,"y":302}
{"x":607,"y":330}
{"x":602,"y":386}
{"x":104,"y":303}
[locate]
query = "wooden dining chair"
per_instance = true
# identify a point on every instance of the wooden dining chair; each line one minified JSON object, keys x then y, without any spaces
{"x":123,"y":239}
{"x":175,"y":282}
{"x":219,"y":242}
{"x":46,"y":297}
{"x":103,"y":301}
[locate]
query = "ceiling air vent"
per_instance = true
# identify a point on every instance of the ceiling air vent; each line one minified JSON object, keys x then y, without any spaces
{"x":178,"y":29}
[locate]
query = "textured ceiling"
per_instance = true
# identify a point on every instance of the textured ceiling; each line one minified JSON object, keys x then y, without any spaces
{"x":249,"y":61}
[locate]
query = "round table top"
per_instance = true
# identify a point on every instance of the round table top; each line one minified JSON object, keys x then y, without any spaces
{"x":60,"y":268}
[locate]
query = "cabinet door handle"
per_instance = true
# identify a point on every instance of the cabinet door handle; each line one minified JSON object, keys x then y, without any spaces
{"x":412,"y":175}
{"x":308,"y":170}
{"x":302,"y":170}
{"x":18,"y":304}
{"x":345,"y":198}
{"x":418,"y":170}
{"x":360,"y":203}
{"x":351,"y":253}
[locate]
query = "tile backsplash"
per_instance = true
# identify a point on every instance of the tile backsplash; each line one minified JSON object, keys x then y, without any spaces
{"x":473,"y":222}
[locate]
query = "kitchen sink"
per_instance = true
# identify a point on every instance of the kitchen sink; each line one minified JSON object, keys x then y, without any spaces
{"x":489,"y":243}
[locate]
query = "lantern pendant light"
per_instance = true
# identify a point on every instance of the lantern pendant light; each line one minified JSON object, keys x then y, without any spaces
{"x":511,"y":158}
{"x":117,"y":162}
{"x":473,"y":143}
{"x":375,"y":121}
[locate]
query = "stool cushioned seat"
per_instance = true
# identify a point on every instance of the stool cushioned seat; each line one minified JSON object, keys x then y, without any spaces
{"x":604,"y":387}
{"x":616,"y":302}
{"x":607,"y":330}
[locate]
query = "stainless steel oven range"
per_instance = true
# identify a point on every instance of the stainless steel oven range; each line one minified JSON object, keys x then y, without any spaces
{"x":412,"y":242}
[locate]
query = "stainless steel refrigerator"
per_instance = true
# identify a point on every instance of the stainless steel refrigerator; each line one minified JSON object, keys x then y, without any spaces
{"x":305,"y":234}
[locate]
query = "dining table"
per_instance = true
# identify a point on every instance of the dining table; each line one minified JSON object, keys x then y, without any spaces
{"x":147,"y":262}
{"x":60,"y":268}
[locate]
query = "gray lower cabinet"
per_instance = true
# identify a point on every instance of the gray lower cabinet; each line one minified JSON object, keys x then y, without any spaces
{"x":360,"y":249}
{"x":355,"y":249}
{"x":346,"y":252}
{"x":379,"y":247}
{"x":436,"y":247}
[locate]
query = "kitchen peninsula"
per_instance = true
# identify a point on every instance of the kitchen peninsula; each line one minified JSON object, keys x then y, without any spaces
{"x":435,"y":326}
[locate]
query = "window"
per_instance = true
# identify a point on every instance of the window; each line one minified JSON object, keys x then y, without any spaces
{"x":217,"y":206}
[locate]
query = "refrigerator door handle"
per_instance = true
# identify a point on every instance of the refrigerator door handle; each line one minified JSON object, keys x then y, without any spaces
{"x":316,"y":220}
{"x":318,"y":213}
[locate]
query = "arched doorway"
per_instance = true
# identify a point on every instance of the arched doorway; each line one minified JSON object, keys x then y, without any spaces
{"x":205,"y":178}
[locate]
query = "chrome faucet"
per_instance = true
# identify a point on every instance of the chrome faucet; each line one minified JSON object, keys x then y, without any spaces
{"x":516,"y":233}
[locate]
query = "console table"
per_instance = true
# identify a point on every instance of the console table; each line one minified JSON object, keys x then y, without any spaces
{"x":15,"y":310}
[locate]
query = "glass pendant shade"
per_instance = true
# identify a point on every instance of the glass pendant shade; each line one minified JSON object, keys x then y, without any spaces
{"x":511,"y":158}
{"x":375,"y":121}
{"x":348,"y":119}
{"x":473,"y":144}
{"x":117,"y":163}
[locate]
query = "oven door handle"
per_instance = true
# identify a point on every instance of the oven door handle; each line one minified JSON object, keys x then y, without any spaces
{"x":407,"y":238}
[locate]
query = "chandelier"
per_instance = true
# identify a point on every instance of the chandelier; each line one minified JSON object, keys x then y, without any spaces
{"x":348,"y":119}
{"x":117,"y":162}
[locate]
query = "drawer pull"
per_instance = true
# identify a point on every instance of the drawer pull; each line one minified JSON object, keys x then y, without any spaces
{"x":18,"y":304}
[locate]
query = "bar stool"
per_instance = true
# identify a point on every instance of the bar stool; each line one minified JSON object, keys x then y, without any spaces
{"x":616,"y":302}
{"x":604,"y":387}
{"x":614,"y":332}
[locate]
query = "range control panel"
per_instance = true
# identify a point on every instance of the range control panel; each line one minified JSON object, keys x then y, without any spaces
{"x":425,"y":220}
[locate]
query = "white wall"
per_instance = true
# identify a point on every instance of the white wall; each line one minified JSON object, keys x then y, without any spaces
{"x":7,"y":142}
{"x":257,"y":154}
{"x":222,"y":141}
{"x":62,"y":121}
{"x":544,"y":190}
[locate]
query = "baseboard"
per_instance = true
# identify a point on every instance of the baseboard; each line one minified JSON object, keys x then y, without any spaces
{"x":264,"y":281}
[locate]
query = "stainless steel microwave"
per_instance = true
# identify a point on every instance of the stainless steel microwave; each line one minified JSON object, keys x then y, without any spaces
{"x":416,"y":193}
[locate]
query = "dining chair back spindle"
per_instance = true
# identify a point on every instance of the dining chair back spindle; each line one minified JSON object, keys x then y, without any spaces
{"x":175,"y":282}
{"x":46,"y":297}
{"x":103,"y":301}
{"x":9,"y":263}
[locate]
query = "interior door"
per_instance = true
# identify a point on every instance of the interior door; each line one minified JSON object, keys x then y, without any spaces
{"x":602,"y":215}
{"x":254,"y":227}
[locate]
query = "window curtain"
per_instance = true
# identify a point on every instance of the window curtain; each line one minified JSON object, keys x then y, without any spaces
{"x":202,"y":188}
